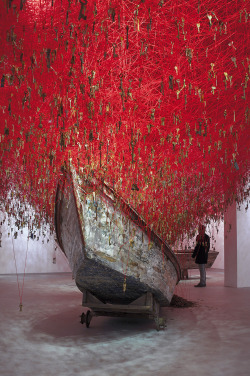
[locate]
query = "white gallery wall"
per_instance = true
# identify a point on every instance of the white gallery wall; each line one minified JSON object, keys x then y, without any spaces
{"x":216,"y":233}
{"x":42,"y":254}
{"x":243,"y":243}
{"x":237,"y":246}
{"x":19,"y":253}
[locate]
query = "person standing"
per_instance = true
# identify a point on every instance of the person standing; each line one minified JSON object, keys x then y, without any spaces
{"x":201,"y":254}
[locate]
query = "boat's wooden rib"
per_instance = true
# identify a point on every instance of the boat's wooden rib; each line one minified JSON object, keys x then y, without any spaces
{"x":111,"y":251}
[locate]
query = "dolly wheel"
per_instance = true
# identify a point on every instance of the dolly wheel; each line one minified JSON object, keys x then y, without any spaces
{"x":83,"y":318}
{"x":88,"y":318}
{"x":160,"y":323}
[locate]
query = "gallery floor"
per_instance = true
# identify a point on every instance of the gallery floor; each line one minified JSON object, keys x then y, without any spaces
{"x":46,"y":337}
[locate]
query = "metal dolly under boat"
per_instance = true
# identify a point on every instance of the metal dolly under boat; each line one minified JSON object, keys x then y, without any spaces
{"x":145,"y":306}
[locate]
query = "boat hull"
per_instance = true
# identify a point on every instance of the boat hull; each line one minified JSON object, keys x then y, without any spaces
{"x":111,"y":251}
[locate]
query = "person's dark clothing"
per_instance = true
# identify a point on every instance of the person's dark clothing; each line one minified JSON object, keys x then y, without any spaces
{"x":201,"y":250}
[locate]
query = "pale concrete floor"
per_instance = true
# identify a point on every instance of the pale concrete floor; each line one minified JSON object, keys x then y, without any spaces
{"x":46,"y":338}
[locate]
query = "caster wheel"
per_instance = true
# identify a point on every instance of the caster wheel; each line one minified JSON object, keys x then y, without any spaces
{"x":88,"y":318}
{"x":160,"y":323}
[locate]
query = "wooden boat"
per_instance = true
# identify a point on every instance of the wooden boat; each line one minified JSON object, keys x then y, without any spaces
{"x":113,"y":254}
{"x":187,"y":262}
